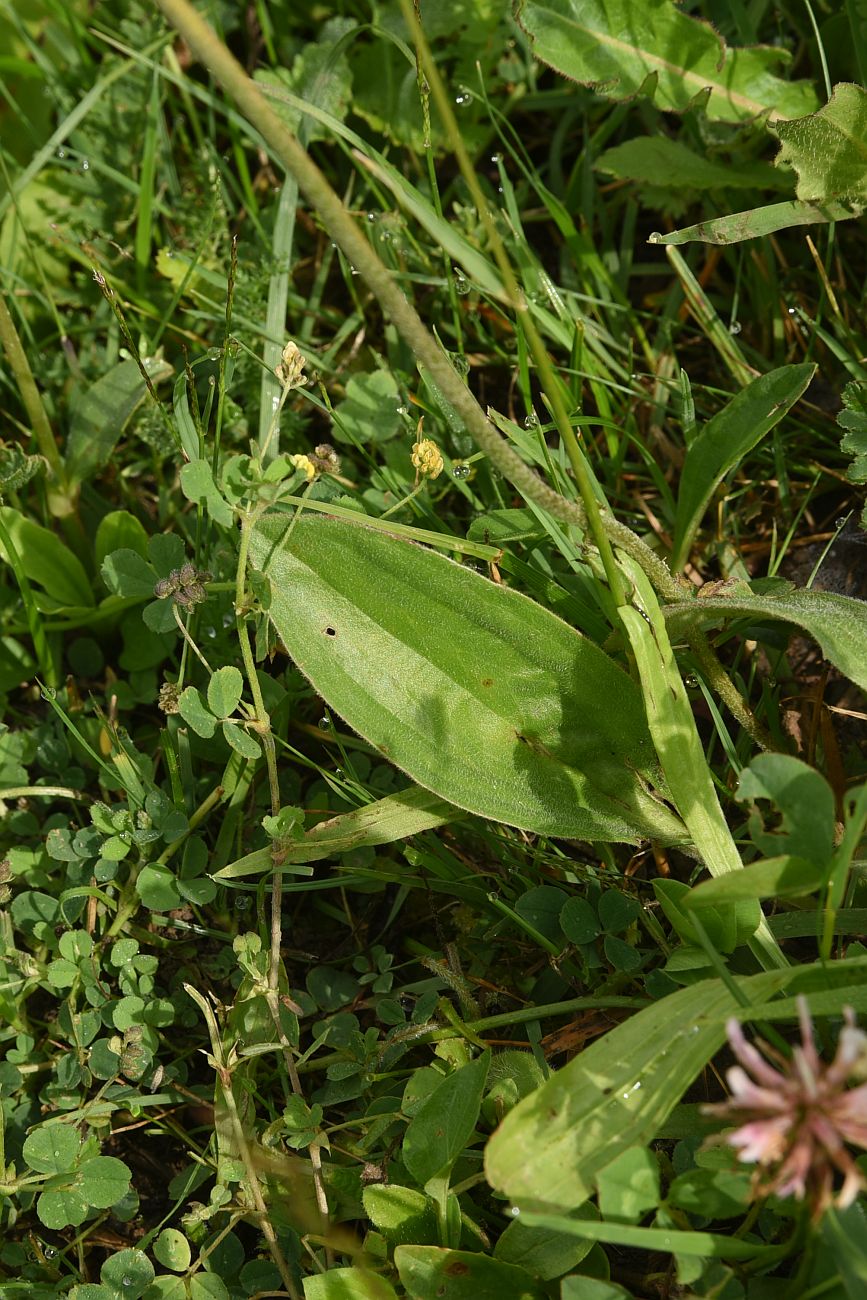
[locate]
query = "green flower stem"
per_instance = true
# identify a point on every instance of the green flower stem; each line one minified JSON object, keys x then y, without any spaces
{"x":207,"y":46}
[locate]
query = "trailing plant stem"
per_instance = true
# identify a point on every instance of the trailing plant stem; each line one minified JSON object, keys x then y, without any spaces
{"x":204,"y":42}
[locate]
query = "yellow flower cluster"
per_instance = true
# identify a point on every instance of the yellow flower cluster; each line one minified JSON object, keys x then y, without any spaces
{"x":427,"y":458}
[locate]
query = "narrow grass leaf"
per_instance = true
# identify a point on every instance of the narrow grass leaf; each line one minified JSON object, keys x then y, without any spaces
{"x":755,"y":222}
{"x":394,"y":818}
{"x":726,"y":439}
{"x":476,"y":692}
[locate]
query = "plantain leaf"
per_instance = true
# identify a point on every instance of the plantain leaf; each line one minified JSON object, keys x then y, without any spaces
{"x":626,"y":47}
{"x":837,"y":623}
{"x":615,"y":1094}
{"x":481,"y":695}
{"x":726,"y":439}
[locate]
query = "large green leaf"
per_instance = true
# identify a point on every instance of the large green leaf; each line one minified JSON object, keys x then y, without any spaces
{"x":828,"y":149}
{"x":838,"y":623}
{"x":480,"y":694}
{"x":614,"y":1095}
{"x":623,"y":47}
{"x":726,"y":439}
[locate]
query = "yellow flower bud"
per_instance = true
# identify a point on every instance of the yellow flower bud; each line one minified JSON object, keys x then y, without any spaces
{"x":427,"y":458}
{"x":306,"y":464}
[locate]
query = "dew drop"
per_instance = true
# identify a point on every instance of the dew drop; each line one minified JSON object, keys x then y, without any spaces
{"x":841,"y":522}
{"x":339,"y":773}
{"x":49,"y":1252}
{"x":127,"y":1281}
{"x":515,"y":1211}
{"x":691,"y":681}
{"x":496,"y":158}
{"x":210,"y":632}
{"x":402,"y":410}
{"x":531,"y":421}
{"x":792,"y":310}
{"x":462,"y":284}
{"x":460,"y":100}
{"x":735,"y":327}
{"x":460,"y":470}
{"x":325,"y":723}
{"x":772,"y":682}
{"x":61,"y":153}
{"x":85,"y":165}
{"x":354,"y":270}
{"x":242,"y":904}
{"x":371,"y":216}
{"x":460,"y":364}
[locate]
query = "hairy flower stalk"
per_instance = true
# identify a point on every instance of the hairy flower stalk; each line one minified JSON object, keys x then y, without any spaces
{"x":795,"y":1117}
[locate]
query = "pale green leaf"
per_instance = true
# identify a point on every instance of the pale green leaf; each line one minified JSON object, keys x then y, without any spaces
{"x":224,"y":691}
{"x":629,"y":1185}
{"x":172,"y":1250}
{"x":624,"y":47}
{"x":837,"y":623}
{"x":195,"y":712}
{"x":478,"y":693}
{"x":401,"y":1214}
{"x":725,"y":440}
{"x":240,"y":740}
{"x":828,"y":149}
{"x":197,"y":484}
{"x":615,"y":1094}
